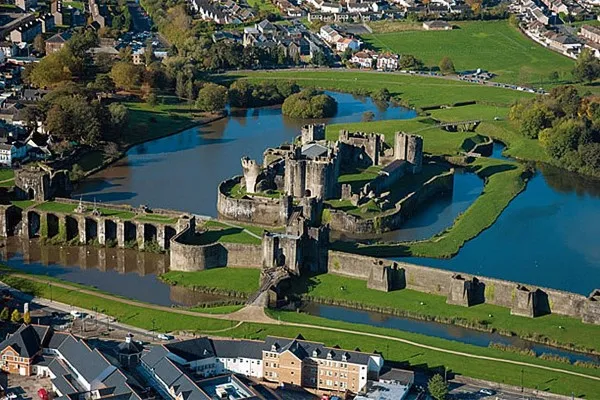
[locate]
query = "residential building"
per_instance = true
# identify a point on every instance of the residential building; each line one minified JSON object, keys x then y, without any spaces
{"x":47,"y":21}
{"x":57,"y":42}
{"x":26,"y":5}
{"x":329,"y":34}
{"x":363,"y":59}
{"x":283,"y":361}
{"x":436,"y":25}
{"x":348,"y":43}
{"x":590,"y":33}
{"x":26,"y":32}
{"x":332,"y":8}
{"x":12,"y":152}
{"x":75,"y":370}
{"x":388,"y":62}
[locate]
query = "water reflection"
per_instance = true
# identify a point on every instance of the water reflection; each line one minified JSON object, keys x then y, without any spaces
{"x":435,"y":329}
{"x":123,"y":272}
{"x":187,"y":167}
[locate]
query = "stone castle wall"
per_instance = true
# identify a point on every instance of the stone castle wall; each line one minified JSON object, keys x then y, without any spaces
{"x":529,"y":300}
{"x":254,"y":210}
{"x":342,"y":221}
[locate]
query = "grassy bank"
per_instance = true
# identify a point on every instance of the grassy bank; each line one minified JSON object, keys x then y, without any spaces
{"x":402,"y":354}
{"x":553,"y":329}
{"x":240,"y":280}
{"x":219,"y":232}
{"x":495,"y":46}
{"x":417,"y":91}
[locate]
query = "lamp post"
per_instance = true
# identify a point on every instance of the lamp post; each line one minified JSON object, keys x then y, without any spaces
{"x":522,"y":389}
{"x":50,"y":287}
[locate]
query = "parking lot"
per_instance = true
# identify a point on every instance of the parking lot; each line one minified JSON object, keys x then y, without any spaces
{"x":25,"y":387}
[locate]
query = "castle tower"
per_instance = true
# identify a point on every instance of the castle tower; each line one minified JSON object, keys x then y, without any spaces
{"x":251,"y":172}
{"x":410,"y":149}
{"x":313,"y":133}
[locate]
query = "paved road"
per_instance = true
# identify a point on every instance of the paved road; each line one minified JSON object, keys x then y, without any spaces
{"x":256,"y":314}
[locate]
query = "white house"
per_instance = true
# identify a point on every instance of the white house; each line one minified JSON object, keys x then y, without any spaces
{"x":348,"y":43}
{"x":362,"y":59}
{"x":388,"y":62}
{"x":10,"y":153}
{"x":332,"y":8}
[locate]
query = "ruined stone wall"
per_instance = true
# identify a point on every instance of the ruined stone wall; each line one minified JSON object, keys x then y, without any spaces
{"x":341,"y":221}
{"x":438,"y":281}
{"x":243,"y":255}
{"x":255,"y":210}
{"x":485,"y":149}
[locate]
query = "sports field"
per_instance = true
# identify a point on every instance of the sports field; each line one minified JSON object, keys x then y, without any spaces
{"x":495,"y":46}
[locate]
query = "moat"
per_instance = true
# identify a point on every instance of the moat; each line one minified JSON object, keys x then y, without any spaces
{"x":189,"y":165}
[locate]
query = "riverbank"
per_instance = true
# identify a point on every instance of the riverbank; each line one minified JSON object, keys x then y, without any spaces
{"x":554,"y":330}
{"x":399,"y":348}
{"x":230,"y":281}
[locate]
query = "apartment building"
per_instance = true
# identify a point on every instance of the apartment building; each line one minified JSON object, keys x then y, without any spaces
{"x":282,"y":361}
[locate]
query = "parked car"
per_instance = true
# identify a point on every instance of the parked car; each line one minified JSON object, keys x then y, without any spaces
{"x":164,"y":336}
{"x":488,"y":392}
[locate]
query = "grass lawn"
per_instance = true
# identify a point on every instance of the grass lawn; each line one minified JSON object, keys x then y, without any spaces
{"x":495,"y":46}
{"x":111,"y":212}
{"x":242,"y":280}
{"x":56,"y":207}
{"x":418,"y":91}
{"x":23,"y":204}
{"x":8,"y":183}
{"x":327,"y":287}
{"x":503,"y":182}
{"x":147,"y":122}
{"x":393,"y":351}
{"x":6,"y":174}
{"x":436,"y":141}
{"x":264,"y":5}
{"x":220,"y":232}
{"x":75,"y":4}
{"x":163,"y":219}
{"x":218,"y":309}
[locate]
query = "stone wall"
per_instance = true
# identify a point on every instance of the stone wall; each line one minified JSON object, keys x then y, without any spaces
{"x":342,"y":221}
{"x":254,"y":210}
{"x":528,"y":300}
{"x":243,"y":255}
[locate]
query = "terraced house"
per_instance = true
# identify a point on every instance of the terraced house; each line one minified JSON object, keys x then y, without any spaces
{"x":288,"y":362}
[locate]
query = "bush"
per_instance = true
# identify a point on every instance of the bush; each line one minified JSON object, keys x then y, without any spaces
{"x":212,"y":98}
{"x":309,"y":103}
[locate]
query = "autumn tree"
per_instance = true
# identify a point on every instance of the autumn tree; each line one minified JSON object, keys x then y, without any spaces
{"x":5,"y":314}
{"x":27,"y":318}
{"x":125,"y":75}
{"x":15,"y":316}
{"x":447,"y":66}
{"x":39,"y":44}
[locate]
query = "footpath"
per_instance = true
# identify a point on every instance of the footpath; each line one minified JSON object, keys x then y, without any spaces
{"x":256,"y":314}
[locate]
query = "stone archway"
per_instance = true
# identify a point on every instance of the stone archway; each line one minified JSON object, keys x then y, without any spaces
{"x":72,"y":228}
{"x":33,"y":225}
{"x":170,"y":232}
{"x":91,"y":229}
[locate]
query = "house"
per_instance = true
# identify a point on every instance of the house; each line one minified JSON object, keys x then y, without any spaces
{"x":329,"y":34}
{"x":75,"y":370}
{"x":332,"y":8}
{"x":298,"y":362}
{"x":57,"y":42}
{"x":26,"y":5}
{"x":388,"y":62}
{"x":348,"y":43}
{"x":591,"y":33}
{"x":362,"y":59}
{"x":358,"y":7}
{"x":266,"y":28}
{"x":26,"y":32}
{"x":436,"y":25}
{"x":8,"y":48}
{"x":11,"y":152}
{"x":47,"y":21}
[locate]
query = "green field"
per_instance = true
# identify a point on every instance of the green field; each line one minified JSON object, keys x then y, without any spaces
{"x":405,"y":354}
{"x":263,"y":5}
{"x":494,"y":46}
{"x":354,"y":292}
{"x":220,"y":232}
{"x":415,"y":91}
{"x":241,"y":280}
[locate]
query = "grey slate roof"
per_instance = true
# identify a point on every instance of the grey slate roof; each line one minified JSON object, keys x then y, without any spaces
{"x":313,"y":150}
{"x":152,"y":357}
{"x":196,"y":349}
{"x":314,"y":350}
{"x":26,"y":341}
{"x":238,"y":348}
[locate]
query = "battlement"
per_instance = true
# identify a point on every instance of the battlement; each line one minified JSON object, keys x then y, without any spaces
{"x":312,"y":133}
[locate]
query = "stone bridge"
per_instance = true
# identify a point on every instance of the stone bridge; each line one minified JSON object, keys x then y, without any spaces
{"x":270,"y":282}
{"x":67,"y":220}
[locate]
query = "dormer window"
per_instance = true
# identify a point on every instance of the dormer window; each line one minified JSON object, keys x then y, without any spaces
{"x":330,"y":355}
{"x":274,"y":347}
{"x":345,"y":357}
{"x":315,"y":353}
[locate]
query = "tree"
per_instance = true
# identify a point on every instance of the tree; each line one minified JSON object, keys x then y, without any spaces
{"x":532,"y":117}
{"x":5,"y":314}
{"x":103,"y":83}
{"x":39,"y":44}
{"x":447,"y":66}
{"x":50,"y":71}
{"x":212,"y":98}
{"x":408,"y":61}
{"x":382,"y":95}
{"x":152,"y":99}
{"x":74,"y":118}
{"x":119,"y":115}
{"x":15,"y":316}
{"x":475,"y":5}
{"x":148,"y":53}
{"x":438,"y":389}
{"x":125,"y":75}
{"x":564,"y":137}
{"x":27,"y":318}
{"x":587,"y":67}
{"x":309,"y":103}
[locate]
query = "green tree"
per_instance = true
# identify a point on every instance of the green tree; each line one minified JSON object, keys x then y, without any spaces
{"x":119,"y":116}
{"x":102,"y":83}
{"x":309,"y":103}
{"x":447,"y":66}
{"x":532,"y":117}
{"x":148,"y":53}
{"x":5,"y":314}
{"x":564,"y":137}
{"x":587,"y":67}
{"x":39,"y":44}
{"x":125,"y":75}
{"x":74,"y":118}
{"x":27,"y":318}
{"x":438,"y":389}
{"x":212,"y":98}
{"x":408,"y":61}
{"x":50,"y":71}
{"x":15,"y":316}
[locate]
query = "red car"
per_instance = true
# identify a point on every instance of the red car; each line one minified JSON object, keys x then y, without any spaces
{"x":43,"y":394}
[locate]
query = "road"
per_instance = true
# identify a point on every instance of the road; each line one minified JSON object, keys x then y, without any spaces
{"x":254,"y":314}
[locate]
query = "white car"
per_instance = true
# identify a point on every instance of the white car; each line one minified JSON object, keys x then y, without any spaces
{"x":488,"y":392}
{"x":164,"y":336}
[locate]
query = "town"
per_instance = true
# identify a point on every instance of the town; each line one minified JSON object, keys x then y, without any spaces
{"x":285,"y":199}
